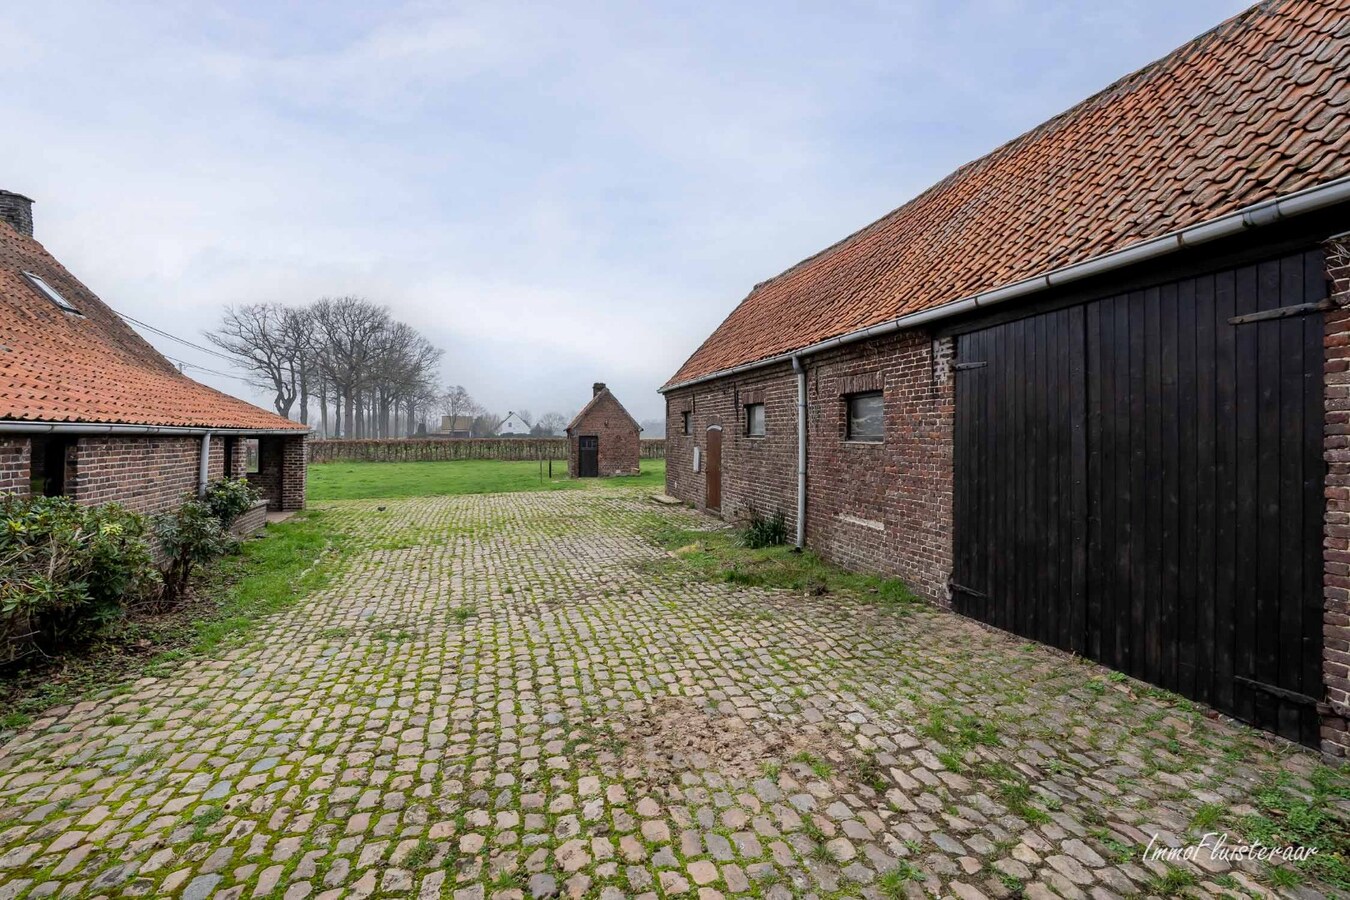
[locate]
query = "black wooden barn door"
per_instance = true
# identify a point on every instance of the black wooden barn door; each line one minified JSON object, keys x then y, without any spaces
{"x":1140,"y":479}
{"x":588,"y":456}
{"x":1021,"y":466}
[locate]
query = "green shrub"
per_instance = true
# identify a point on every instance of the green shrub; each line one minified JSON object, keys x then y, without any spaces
{"x":66,"y":571}
{"x":191,"y":535}
{"x":230,"y":498}
{"x":759,"y":531}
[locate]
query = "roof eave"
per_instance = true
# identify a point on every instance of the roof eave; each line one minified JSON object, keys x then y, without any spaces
{"x":32,"y":426}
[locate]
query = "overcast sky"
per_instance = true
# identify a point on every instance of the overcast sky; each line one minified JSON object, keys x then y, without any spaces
{"x":555,"y":193}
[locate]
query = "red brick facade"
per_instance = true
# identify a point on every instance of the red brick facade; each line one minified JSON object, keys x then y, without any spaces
{"x":281,"y":474}
{"x":14,"y":465}
{"x":1336,"y":579}
{"x":145,"y":474}
{"x":153,"y":474}
{"x":620,"y":448}
{"x":883,"y":507}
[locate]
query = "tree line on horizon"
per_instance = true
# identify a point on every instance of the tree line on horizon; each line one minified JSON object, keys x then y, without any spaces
{"x":365,"y":374}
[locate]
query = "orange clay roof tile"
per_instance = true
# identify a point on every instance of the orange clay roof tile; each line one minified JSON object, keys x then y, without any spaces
{"x":1248,"y":111}
{"x":93,"y":368}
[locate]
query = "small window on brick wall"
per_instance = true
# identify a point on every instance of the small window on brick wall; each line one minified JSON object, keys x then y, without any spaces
{"x":686,"y":426}
{"x":754,"y":419}
{"x":250,"y":448}
{"x":866,"y":421}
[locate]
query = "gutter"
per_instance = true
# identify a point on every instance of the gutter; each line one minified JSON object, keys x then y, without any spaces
{"x":17,"y":426}
{"x":800,"y":369}
{"x":1258,"y":215}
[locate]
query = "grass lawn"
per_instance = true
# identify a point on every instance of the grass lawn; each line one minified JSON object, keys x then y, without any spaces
{"x":374,"y":480}
{"x":721,"y":555}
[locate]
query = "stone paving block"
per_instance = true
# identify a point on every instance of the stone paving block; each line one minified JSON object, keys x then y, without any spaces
{"x":520,"y":695}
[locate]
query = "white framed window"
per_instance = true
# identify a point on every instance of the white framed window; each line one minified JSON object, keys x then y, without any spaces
{"x":50,"y":292}
{"x":866,"y":418}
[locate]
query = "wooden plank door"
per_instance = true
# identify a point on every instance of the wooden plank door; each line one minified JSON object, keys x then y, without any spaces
{"x":714,"y":468}
{"x":1140,"y":479}
{"x":588,"y":456}
{"x":1021,"y":464}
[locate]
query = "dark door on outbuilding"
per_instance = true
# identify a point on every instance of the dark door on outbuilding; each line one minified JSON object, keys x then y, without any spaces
{"x":588,"y":456}
{"x":1140,"y":480}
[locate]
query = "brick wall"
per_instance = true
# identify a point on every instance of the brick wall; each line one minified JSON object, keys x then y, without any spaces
{"x":267,"y":480}
{"x":887,"y":506}
{"x":757,"y":472}
{"x":14,"y":465}
{"x":1336,"y":536}
{"x":252,"y":521}
{"x":282,"y":471}
{"x":620,"y":453}
{"x":145,"y":474}
{"x":294,"y":471}
{"x":883,"y":507}
{"x":155,"y":474}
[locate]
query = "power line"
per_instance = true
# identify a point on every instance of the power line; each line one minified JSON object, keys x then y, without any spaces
{"x":173,"y":337}
{"x":183,"y":362}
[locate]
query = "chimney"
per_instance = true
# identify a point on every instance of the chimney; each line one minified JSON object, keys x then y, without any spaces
{"x":595,"y":388}
{"x":17,"y":210}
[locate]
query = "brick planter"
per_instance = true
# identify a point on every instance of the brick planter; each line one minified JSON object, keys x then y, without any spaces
{"x":252,"y":521}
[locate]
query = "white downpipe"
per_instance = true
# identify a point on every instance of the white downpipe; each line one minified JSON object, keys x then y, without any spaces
{"x":1255,"y":216}
{"x":801,"y":450}
{"x":204,"y":465}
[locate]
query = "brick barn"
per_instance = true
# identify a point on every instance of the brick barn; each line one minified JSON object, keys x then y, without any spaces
{"x":1093,"y":388}
{"x":603,"y":440}
{"x":89,"y":410}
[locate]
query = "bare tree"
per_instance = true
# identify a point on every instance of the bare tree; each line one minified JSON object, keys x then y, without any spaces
{"x":485,"y":424}
{"x":457,"y":402}
{"x":348,"y":328}
{"x":550,"y":424}
{"x":269,"y":340}
{"x":346,"y":352}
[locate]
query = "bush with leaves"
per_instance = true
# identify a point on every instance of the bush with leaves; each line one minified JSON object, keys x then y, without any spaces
{"x":66,"y":571}
{"x":230,"y":498}
{"x":760,"y":531}
{"x":191,"y":535}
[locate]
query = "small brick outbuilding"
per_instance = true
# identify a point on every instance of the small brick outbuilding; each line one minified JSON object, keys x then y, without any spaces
{"x":603,"y":440}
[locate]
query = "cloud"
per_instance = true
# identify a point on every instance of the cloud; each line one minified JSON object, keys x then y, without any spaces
{"x":556,"y":193}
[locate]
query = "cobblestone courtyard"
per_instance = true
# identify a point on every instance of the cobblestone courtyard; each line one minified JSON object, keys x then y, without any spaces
{"x":521,"y":695}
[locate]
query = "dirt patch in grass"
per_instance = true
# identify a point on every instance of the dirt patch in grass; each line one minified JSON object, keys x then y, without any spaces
{"x":673,"y":735}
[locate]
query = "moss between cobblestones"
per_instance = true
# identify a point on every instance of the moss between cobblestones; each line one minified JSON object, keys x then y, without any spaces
{"x":456,"y":711}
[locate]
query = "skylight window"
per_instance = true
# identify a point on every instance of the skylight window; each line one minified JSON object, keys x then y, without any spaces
{"x":50,"y":293}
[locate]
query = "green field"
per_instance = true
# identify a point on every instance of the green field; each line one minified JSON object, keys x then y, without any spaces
{"x":373,"y":480}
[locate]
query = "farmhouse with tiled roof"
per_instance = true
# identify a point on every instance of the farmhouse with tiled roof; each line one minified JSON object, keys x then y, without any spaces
{"x":1090,"y":388}
{"x":88,"y":409}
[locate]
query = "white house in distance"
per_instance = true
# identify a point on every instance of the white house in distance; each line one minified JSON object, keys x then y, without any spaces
{"x":513,"y":426}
